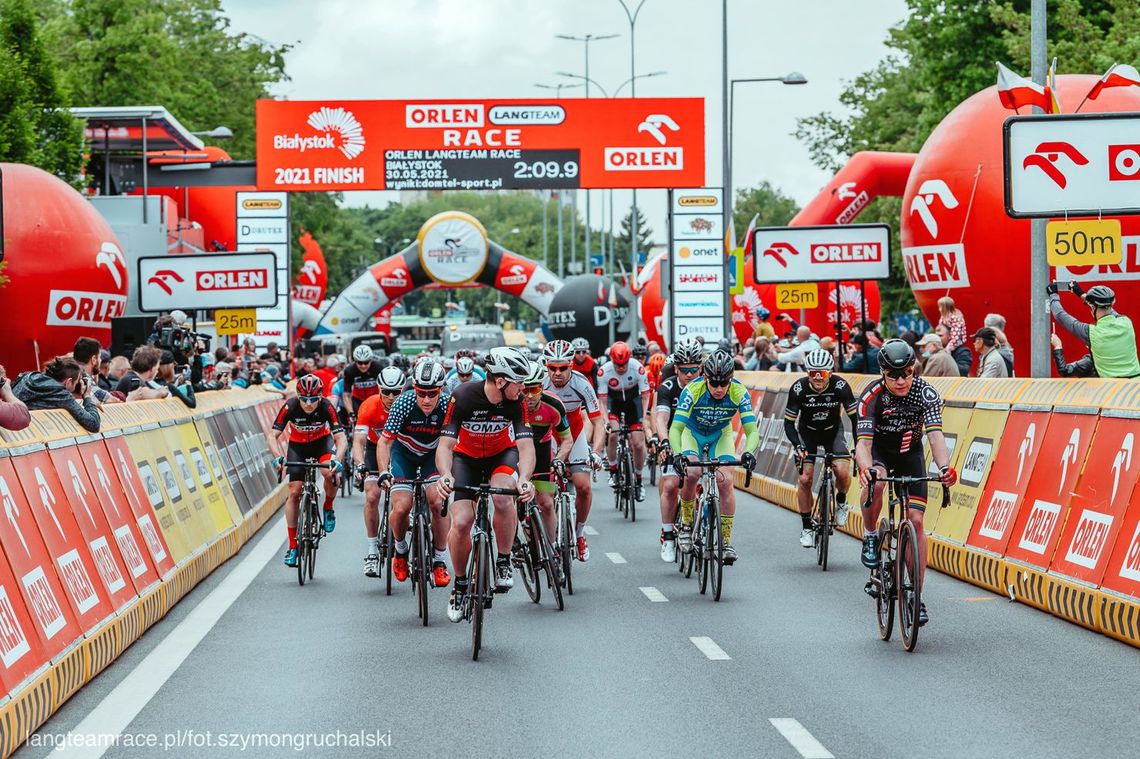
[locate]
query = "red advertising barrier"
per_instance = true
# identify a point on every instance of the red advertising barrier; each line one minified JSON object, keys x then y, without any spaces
{"x":31,"y":564}
{"x":1063,"y":450}
{"x":1123,"y":572}
{"x":1103,"y":493}
{"x":1009,"y":477}
{"x":49,"y":502}
{"x":20,"y":652}
{"x":140,"y":505}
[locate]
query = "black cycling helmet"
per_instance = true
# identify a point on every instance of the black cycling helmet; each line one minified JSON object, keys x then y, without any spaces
{"x":719,"y":366}
{"x":1100,"y":296}
{"x":895,"y":354}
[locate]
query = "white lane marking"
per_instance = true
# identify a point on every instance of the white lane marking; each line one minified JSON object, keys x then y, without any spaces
{"x":616,"y":558}
{"x":654,"y":595}
{"x":116,"y":711}
{"x":589,"y":530}
{"x":801,"y":740}
{"x":710,"y":649}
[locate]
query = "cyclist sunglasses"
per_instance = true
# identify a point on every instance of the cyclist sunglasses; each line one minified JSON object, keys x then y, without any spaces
{"x":898,"y":374}
{"x":465,"y":377}
{"x":420,"y":393}
{"x":580,"y":353}
{"x":719,"y":383}
{"x":819,"y":374}
{"x":688,"y":369}
{"x":558,"y":367}
{"x":309,"y":398}
{"x":392,"y":393}
{"x":532,"y":389}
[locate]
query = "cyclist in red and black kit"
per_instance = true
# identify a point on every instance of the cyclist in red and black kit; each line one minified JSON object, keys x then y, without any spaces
{"x":584,"y":362}
{"x":550,"y":425}
{"x":486,"y":438}
{"x":310,"y":425}
{"x":361,"y":379}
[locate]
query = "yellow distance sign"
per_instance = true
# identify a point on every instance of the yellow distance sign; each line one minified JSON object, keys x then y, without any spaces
{"x":235,"y":321}
{"x":799,"y":295}
{"x":1092,"y":242}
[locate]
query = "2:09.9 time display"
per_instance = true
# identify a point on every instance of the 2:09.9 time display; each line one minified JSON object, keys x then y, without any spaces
{"x":546,"y":169}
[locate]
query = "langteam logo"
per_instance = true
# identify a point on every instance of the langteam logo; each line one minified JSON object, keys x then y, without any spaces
{"x":261,"y":204}
{"x":338,"y":129}
{"x":974,"y":465}
{"x":1046,"y":156}
{"x":697,"y":200}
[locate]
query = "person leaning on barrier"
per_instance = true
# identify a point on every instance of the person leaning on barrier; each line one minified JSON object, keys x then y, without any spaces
{"x":1110,"y":336}
{"x":1082,"y":367}
{"x":87,"y":353}
{"x":60,"y":385}
{"x":178,"y":385}
{"x":137,"y":384}
{"x":14,"y":415}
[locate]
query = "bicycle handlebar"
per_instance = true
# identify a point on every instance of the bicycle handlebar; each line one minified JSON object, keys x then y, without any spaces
{"x":905,"y":480}
{"x":715,"y":464}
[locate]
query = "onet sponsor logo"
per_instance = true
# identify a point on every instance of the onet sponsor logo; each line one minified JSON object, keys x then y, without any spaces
{"x":1039,"y":527}
{"x":233,"y":279}
{"x":1046,"y":156}
{"x":1123,"y":163}
{"x":685,"y":252}
{"x":1089,"y":539}
{"x":337,"y":129}
{"x":778,"y":250}
{"x":848,"y":252}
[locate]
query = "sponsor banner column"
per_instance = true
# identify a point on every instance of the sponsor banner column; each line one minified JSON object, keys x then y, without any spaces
{"x":263,"y":226}
{"x":142,"y":501}
{"x":697,"y":261}
{"x":224,"y":443}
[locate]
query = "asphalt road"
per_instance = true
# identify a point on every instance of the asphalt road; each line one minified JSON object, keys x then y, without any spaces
{"x":615,"y":675}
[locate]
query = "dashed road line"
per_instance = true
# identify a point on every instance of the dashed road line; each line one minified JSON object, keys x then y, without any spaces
{"x":710,"y":649}
{"x":616,"y":558}
{"x":654,"y":595}
{"x":590,"y":530}
{"x":801,"y":740}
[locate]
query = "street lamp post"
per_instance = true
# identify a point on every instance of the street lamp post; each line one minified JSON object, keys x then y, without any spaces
{"x":634,"y":231}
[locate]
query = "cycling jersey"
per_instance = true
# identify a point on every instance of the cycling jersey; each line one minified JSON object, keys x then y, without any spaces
{"x":550,"y":415}
{"x":577,"y":397}
{"x":371,"y":416}
{"x":817,"y":413}
{"x":482,"y":428}
{"x":622,"y":386}
{"x":306,"y":427}
{"x":706,"y":418}
{"x":411,"y":427}
{"x":588,"y":368}
{"x":898,"y":422}
{"x":362,"y":384}
{"x":668,"y":393}
{"x":452,"y":381}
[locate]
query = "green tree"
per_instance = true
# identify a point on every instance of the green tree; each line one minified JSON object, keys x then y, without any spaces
{"x":35,"y":128}
{"x":623,"y":249}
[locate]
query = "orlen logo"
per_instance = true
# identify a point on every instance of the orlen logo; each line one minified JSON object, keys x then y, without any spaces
{"x":517,"y":276}
{"x":77,"y":308}
{"x":1089,"y":539}
{"x":1046,"y":156}
{"x":848,"y":252}
{"x":233,"y":279}
{"x":656,"y":125}
{"x":778,"y":250}
{"x":1123,"y":162}
{"x":162,"y":279}
{"x":338,"y":128}
{"x":311,"y":269}
{"x":923,"y":203}
{"x":1039,"y":527}
{"x":1130,"y":569}
{"x":998,"y":515}
{"x":440,"y":115}
{"x":398,"y":278}
{"x":111,"y":257}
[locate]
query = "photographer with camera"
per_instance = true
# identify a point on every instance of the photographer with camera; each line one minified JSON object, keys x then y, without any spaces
{"x":1110,"y":337}
{"x":176,"y":379}
{"x":60,"y":385}
{"x":138,"y":384}
{"x":187,"y":347}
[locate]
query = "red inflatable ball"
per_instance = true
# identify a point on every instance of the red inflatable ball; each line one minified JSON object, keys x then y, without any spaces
{"x":957,"y":239}
{"x":67,"y":276}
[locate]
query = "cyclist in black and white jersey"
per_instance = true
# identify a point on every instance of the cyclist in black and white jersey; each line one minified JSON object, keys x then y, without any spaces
{"x":624,"y":384}
{"x":813,"y":418}
{"x":894,"y":413}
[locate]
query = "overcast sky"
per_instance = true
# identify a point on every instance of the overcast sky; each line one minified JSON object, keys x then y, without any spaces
{"x":411,"y":49}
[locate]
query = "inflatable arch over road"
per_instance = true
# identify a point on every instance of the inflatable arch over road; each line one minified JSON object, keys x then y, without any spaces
{"x":452,"y":249}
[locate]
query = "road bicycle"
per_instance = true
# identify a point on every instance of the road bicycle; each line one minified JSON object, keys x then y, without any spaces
{"x":310,"y":520}
{"x":894,"y":578}
{"x":566,"y":537}
{"x":625,"y":493}
{"x":534,"y":553}
{"x":423,"y":546}
{"x":707,"y":553}
{"x":481,"y":562}
{"x":651,"y":452}
{"x":823,"y":512}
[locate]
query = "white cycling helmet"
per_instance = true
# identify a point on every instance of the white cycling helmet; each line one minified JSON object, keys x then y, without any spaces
{"x":464,"y":365}
{"x":819,"y":360}
{"x":580,"y":344}
{"x":558,"y":351}
{"x":537,"y":374}
{"x":508,"y":363}
{"x":428,"y":374}
{"x":392,"y":378}
{"x":688,"y":351}
{"x":361,"y":354}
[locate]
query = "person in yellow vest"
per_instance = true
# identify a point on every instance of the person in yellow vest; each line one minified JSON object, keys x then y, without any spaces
{"x":764,"y":328}
{"x":1110,"y":336}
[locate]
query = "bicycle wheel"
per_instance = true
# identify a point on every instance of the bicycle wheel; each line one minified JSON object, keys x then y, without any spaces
{"x":631,"y":485}
{"x":823,"y":525}
{"x":909,"y":585}
{"x":387,"y":544}
{"x":527,"y":564}
{"x":423,"y":562}
{"x":566,"y":541}
{"x":701,"y":550}
{"x":316,"y":527}
{"x":550,"y":561}
{"x":884,"y":574}
{"x":716,"y":548}
{"x":477,"y":592}
{"x":302,"y":540}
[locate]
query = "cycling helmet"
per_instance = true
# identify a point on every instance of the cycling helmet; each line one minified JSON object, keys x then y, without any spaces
{"x":508,"y":363}
{"x":464,"y":365}
{"x":895,"y":354}
{"x":819,"y":360}
{"x":400,"y":361}
{"x":580,"y":344}
{"x":619,"y":353}
{"x":537,"y":374}
{"x":362,"y":354}
{"x":688,"y":351}
{"x":640,"y":352}
{"x":719,"y":366}
{"x":310,"y":386}
{"x":392,"y":378}
{"x":763,"y":313}
{"x":558,"y":351}
{"x":1100,"y":296}
{"x":428,"y":374}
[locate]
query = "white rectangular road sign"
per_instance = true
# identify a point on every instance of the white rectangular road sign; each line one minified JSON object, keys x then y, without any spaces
{"x":822,"y":254}
{"x":208,"y":281}
{"x":1077,"y":165}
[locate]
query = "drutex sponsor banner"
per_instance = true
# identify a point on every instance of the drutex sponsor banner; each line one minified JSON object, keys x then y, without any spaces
{"x":480,"y":144}
{"x":822,"y":254}
{"x":207,"y":281}
{"x":1005,"y":488}
{"x":1075,"y":164}
{"x":697,"y":264}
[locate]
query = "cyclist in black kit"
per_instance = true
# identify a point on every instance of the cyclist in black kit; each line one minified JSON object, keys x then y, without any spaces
{"x":894,"y":412}
{"x":812,"y":419}
{"x":361,"y":379}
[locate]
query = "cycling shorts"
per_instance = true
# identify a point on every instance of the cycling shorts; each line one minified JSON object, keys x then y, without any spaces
{"x":909,"y":464}
{"x":370,"y":466}
{"x":542,"y":457}
{"x":404,"y":465}
{"x":631,"y":409}
{"x":721,"y":445}
{"x":320,"y":449}
{"x":580,"y":451}
{"x":470,"y":472}
{"x":836,"y":444}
